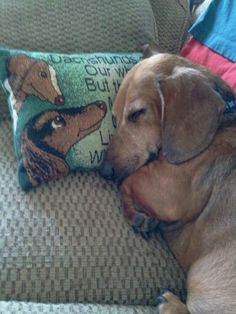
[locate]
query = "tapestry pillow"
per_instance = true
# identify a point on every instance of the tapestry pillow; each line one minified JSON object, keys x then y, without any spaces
{"x":61,"y":109}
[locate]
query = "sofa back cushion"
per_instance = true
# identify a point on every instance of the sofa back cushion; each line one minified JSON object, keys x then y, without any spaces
{"x":74,"y":26}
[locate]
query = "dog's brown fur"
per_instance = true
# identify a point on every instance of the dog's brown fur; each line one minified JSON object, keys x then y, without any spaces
{"x":48,"y":137}
{"x":168,"y":105}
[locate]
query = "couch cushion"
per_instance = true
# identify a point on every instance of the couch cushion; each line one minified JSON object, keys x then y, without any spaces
{"x":13,"y":307}
{"x":172,"y":19}
{"x":72,"y":26}
{"x":68,"y":241}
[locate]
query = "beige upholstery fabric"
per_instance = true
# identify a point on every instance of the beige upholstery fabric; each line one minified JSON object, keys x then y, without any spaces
{"x":172,"y":18}
{"x":75,"y":26}
{"x":39,"y":308}
{"x":69,"y":242}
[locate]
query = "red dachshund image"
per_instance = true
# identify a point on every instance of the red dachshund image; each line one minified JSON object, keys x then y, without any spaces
{"x":31,"y":77}
{"x":48,"y":137}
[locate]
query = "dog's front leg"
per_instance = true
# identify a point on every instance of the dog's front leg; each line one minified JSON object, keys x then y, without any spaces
{"x":168,"y":303}
{"x":136,"y":216}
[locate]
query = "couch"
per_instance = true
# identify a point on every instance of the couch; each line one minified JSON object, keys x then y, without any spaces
{"x":65,"y":247}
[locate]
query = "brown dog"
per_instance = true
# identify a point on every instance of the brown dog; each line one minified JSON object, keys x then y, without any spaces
{"x":31,"y":77}
{"x":48,"y":137}
{"x":175,"y":150}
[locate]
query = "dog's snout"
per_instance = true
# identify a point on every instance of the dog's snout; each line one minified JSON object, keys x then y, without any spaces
{"x":101,"y":105}
{"x":107,"y":170}
{"x":152,"y":156}
{"x":59,"y":100}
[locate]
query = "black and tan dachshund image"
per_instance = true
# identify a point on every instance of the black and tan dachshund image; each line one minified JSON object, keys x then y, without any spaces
{"x":31,"y":77}
{"x":48,"y":137}
{"x":174,"y":152}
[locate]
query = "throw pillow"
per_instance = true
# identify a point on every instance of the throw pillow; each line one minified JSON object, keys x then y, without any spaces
{"x":61,"y":109}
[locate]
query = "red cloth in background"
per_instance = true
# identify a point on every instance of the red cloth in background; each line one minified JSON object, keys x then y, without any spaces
{"x":196,"y":52}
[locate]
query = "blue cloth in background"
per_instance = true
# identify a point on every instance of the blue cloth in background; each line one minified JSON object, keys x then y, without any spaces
{"x":216,"y":28}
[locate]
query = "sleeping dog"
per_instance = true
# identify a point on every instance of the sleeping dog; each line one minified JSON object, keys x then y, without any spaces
{"x":174,"y":152}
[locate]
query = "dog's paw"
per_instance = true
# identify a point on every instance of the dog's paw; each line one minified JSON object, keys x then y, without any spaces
{"x":144,"y":225}
{"x":168,"y":303}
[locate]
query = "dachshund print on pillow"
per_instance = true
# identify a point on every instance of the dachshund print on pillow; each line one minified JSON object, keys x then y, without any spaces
{"x":61,"y":109}
{"x":49,"y":136}
{"x":31,"y":77}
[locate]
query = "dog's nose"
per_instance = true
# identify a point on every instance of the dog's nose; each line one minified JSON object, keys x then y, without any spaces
{"x":152,"y":156}
{"x":107,"y":171}
{"x":101,"y":105}
{"x":59,"y":100}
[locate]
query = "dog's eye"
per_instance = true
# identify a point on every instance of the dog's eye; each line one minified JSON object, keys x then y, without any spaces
{"x":58,"y":122}
{"x":43,"y":74}
{"x":133,"y":117}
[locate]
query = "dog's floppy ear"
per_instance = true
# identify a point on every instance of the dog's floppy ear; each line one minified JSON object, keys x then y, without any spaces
{"x":40,"y":166}
{"x":150,"y":50}
{"x":19,"y":64}
{"x":17,"y":67}
{"x":192,"y":112}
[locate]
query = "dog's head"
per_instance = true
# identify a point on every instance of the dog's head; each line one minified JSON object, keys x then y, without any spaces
{"x":165,"y":104}
{"x":48,"y":137}
{"x":34,"y":77}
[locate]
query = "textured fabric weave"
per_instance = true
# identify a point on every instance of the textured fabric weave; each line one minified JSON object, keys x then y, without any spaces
{"x":72,"y":26}
{"x":172,"y":18}
{"x":34,"y":308}
{"x":68,"y":242}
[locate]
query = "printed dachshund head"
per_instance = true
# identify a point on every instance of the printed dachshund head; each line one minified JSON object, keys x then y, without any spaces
{"x":48,"y":137}
{"x":28,"y":76}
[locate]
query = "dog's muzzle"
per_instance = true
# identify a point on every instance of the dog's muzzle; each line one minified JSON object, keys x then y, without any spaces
{"x":152,"y":156}
{"x":108,"y":172}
